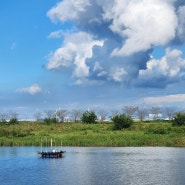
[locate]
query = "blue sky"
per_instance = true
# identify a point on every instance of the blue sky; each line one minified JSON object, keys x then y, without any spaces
{"x":79,"y":54}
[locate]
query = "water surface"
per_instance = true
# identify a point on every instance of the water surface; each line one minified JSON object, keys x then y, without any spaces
{"x":94,"y":166}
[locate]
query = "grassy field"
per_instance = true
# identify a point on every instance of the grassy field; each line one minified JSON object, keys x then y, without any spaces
{"x":101,"y":134}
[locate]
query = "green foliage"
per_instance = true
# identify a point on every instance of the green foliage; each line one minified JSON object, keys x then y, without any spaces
{"x":157,"y":129}
{"x":179,"y":119}
{"x":122,"y":121}
{"x":89,"y":117}
{"x":13,"y":121}
{"x":3,"y":121}
{"x":50,"y":120}
{"x":100,"y":134}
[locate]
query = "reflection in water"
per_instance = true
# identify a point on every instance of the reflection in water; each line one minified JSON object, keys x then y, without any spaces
{"x":94,"y":166}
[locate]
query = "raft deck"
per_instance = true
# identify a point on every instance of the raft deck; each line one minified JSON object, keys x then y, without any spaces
{"x":52,"y":154}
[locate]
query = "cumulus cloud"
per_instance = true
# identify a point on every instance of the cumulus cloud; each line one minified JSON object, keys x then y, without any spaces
{"x":118,"y":74}
{"x":146,"y":24}
{"x":68,"y":10}
{"x":77,"y":48}
{"x":168,"y":69}
{"x":34,"y":89}
{"x":120,"y":35}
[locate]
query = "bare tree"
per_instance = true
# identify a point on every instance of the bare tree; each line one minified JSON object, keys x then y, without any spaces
{"x":114,"y":112}
{"x":61,"y":114}
{"x":76,"y":114}
{"x":50,"y":113}
{"x":38,"y":116}
{"x":142,"y":113}
{"x":155,"y":112}
{"x":102,"y":113}
{"x":129,"y":110}
{"x":4,"y":116}
{"x":13,"y":115}
{"x":170,"y":112}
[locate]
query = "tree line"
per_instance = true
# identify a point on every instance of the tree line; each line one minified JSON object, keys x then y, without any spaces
{"x":103,"y":115}
{"x":121,"y":120}
{"x":75,"y":115}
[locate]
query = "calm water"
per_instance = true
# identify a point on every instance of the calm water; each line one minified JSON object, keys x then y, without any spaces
{"x":94,"y":166}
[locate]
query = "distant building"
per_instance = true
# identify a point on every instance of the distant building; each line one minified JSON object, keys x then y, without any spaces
{"x":67,"y":119}
{"x":155,"y":116}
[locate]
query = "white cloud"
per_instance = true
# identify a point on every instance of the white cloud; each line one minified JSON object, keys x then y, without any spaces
{"x":125,"y":32}
{"x":165,"y":99}
{"x":76,"y":48}
{"x":172,"y":65}
{"x":67,"y":10}
{"x":102,"y":74}
{"x":34,"y":89}
{"x":97,"y":66}
{"x":119,"y":74}
{"x":143,"y":23}
{"x":56,"y":34}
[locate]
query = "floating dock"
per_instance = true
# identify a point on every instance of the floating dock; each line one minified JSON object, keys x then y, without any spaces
{"x":52,"y":154}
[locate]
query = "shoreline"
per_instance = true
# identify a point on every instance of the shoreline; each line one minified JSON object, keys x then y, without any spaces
{"x":144,"y":134}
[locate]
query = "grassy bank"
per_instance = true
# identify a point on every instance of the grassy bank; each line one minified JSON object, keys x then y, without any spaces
{"x":101,"y":134}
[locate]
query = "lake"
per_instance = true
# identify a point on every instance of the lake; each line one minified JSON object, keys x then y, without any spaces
{"x":94,"y":166}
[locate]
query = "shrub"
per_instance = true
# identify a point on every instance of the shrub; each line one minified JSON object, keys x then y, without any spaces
{"x":157,"y":129}
{"x":89,"y":117}
{"x":50,"y":120}
{"x":179,"y":119}
{"x":122,"y":121}
{"x":13,"y":121}
{"x":3,"y":121}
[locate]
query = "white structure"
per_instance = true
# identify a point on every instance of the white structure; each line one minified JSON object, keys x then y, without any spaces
{"x":156,"y":116}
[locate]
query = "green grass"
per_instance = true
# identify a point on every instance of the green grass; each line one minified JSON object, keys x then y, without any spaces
{"x":101,"y":134}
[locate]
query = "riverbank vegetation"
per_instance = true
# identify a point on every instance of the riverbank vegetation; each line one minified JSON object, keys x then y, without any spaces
{"x":150,"y":133}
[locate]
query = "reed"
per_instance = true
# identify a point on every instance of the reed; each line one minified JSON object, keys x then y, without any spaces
{"x":100,"y":134}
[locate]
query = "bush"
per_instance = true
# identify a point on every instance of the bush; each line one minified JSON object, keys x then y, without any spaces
{"x":13,"y":121}
{"x":179,"y":119}
{"x":3,"y":121}
{"x":50,"y":120}
{"x":122,"y":121}
{"x":89,"y":117}
{"x":157,"y":129}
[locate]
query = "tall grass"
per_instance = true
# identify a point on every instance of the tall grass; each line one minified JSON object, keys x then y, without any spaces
{"x":101,"y":134}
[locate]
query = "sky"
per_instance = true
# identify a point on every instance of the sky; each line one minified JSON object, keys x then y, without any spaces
{"x":96,"y":54}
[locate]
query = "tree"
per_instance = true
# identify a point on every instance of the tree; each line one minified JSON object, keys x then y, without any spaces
{"x":142,"y":113}
{"x":102,"y":114}
{"x":38,"y":116}
{"x":179,"y":119}
{"x":122,"y":121}
{"x":114,"y":112}
{"x":155,"y":112}
{"x":50,"y":117}
{"x":50,"y":113}
{"x":89,"y":117}
{"x":3,"y":117}
{"x":129,"y":110}
{"x":169,"y":112}
{"x":76,"y":114}
{"x":13,"y":115}
{"x":60,"y":114}
{"x":13,"y":121}
{"x":50,"y":120}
